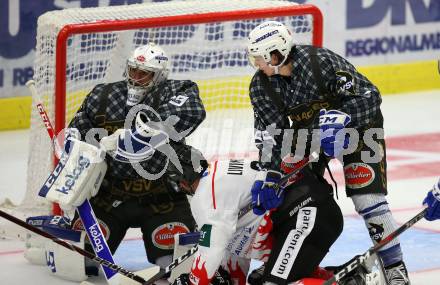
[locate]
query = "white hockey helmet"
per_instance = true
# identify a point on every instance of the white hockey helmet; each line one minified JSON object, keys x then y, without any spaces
{"x":152,"y":63}
{"x":267,"y":37}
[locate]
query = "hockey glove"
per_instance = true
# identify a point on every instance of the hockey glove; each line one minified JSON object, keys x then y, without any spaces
{"x":221,"y":277}
{"x":432,"y":201}
{"x":135,"y":145}
{"x":183,"y":279}
{"x":266,"y":193}
{"x":330,"y":123}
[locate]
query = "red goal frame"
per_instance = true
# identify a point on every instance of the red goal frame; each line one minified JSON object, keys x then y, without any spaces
{"x":120,"y":25}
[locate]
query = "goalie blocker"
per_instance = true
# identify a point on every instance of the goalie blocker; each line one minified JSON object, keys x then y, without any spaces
{"x":77,"y":176}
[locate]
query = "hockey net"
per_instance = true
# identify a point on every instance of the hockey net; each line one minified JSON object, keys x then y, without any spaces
{"x":205,"y":40}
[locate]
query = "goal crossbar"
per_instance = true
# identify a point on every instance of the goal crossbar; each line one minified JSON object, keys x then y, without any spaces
{"x":120,"y":25}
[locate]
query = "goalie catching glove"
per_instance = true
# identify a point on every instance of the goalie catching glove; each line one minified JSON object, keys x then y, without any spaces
{"x":77,"y":176}
{"x":135,"y":145}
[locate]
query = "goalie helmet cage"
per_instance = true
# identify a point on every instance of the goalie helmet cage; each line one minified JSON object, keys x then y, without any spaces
{"x":79,"y":48}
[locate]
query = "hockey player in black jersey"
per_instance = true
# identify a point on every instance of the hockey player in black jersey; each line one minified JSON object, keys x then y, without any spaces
{"x":292,"y":84}
{"x":133,"y":193}
{"x":292,"y":239}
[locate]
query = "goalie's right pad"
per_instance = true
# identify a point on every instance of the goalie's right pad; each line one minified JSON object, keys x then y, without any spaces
{"x":35,"y":244}
{"x":67,"y":264}
{"x":77,"y":176}
{"x":62,"y":262}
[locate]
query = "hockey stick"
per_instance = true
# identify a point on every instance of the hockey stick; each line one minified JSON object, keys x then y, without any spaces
{"x":43,"y":115}
{"x":176,"y":262}
{"x":85,"y":210}
{"x":374,"y":249}
{"x":298,"y":167}
{"x":73,"y":247}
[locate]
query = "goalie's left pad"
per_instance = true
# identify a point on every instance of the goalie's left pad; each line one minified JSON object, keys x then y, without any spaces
{"x":77,"y":176}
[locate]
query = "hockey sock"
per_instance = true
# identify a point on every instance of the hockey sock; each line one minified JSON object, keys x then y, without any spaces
{"x":380,"y":223}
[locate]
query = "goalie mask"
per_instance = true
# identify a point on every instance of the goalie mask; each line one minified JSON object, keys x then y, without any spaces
{"x":193,"y":165}
{"x":146,"y":67}
{"x":266,"y":38}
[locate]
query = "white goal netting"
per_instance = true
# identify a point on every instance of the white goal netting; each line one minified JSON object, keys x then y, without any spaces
{"x":205,"y":40}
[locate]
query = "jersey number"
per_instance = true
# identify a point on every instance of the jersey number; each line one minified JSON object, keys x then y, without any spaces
{"x":178,"y":100}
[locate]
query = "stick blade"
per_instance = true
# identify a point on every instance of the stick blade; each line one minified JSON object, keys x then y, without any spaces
{"x":147,"y":274}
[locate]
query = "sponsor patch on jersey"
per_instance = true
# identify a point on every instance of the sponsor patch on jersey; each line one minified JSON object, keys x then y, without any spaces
{"x":375,"y":231}
{"x":163,"y":235}
{"x":78,"y":226}
{"x":358,"y":175}
{"x":178,"y":100}
{"x":205,"y":235}
{"x":345,"y":81}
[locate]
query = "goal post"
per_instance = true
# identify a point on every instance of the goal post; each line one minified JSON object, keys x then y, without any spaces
{"x":78,"y":48}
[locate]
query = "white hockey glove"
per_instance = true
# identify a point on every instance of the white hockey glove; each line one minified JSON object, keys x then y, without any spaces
{"x":135,"y":145}
{"x":77,"y":176}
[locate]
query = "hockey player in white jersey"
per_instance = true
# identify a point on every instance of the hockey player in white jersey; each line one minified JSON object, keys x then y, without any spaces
{"x":291,"y":240}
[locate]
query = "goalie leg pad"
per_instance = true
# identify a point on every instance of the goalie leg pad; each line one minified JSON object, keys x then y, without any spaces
{"x":64,"y":263}
{"x":35,"y":251}
{"x":380,"y":223}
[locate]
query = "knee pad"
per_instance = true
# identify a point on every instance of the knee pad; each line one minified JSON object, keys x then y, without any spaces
{"x":380,"y":223}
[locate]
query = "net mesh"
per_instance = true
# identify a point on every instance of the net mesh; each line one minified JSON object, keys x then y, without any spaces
{"x":212,"y":54}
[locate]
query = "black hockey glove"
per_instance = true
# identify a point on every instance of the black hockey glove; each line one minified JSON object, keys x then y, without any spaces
{"x":221,"y":277}
{"x":183,"y":279}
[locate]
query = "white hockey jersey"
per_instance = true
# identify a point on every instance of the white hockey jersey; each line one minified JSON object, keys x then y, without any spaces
{"x":227,"y":239}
